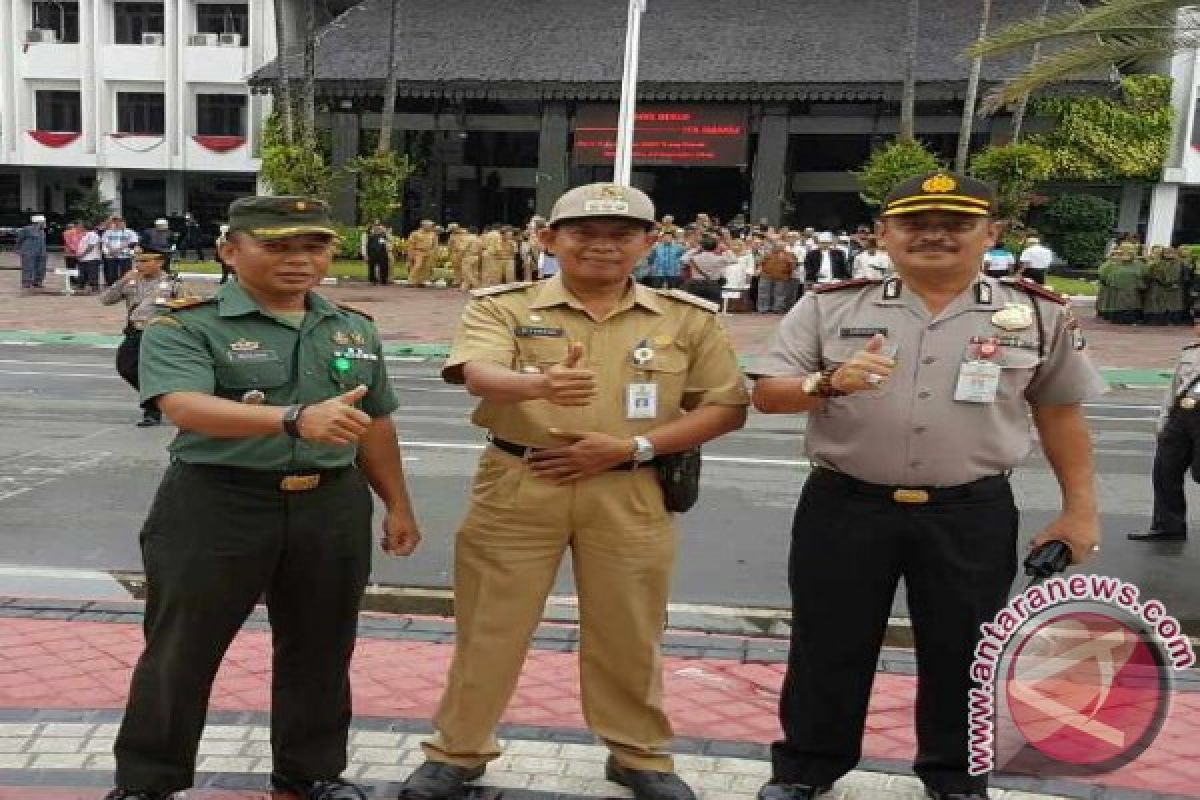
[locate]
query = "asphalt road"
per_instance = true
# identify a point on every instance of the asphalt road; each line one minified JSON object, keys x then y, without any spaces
{"x":76,"y":478}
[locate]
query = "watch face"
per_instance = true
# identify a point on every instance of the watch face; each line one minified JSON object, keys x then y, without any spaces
{"x":811,"y":381}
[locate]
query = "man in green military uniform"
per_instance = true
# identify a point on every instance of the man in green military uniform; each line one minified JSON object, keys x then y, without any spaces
{"x":1127,"y":281}
{"x":1163,"y":301}
{"x":283,"y":407}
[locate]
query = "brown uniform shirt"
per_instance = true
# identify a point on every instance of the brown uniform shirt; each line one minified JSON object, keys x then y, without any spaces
{"x":422,"y":241}
{"x":911,"y":431}
{"x":530,"y":326}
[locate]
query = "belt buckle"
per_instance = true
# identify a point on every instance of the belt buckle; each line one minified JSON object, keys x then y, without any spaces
{"x":911,"y":496}
{"x":300,"y":483}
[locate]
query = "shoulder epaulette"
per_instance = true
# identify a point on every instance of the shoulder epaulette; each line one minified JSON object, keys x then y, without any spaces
{"x":688,"y":297}
{"x":503,"y":288}
{"x":1036,"y":289}
{"x":854,"y":283}
{"x":184,"y":303}
{"x":354,"y":310}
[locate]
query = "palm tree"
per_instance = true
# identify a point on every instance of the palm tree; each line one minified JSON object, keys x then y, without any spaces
{"x":308,"y":83}
{"x":908,"y":95}
{"x":287,"y":105}
{"x":1095,"y":39}
{"x":387,"y":119}
{"x":1018,"y":117}
{"x":968,"y":115}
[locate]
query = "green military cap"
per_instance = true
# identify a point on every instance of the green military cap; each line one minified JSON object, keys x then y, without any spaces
{"x":941,"y":191}
{"x":280,"y":217}
{"x":603,"y":200}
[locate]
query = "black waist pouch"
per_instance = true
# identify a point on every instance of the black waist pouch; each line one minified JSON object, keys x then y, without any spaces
{"x":679,"y":475}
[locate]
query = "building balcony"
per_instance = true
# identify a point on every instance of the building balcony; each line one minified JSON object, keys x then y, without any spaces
{"x":134,"y":62}
{"x":53,"y":149}
{"x":219,"y":154}
{"x":215,"y":64}
{"x":48,"y":61}
{"x":135,"y":151}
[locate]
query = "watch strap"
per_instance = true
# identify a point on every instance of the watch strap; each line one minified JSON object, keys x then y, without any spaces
{"x":291,"y":420}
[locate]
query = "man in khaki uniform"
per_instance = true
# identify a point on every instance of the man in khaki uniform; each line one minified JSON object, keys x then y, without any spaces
{"x":422,"y":253}
{"x":918,"y":389}
{"x":472,"y":258}
{"x":457,"y":240}
{"x":492,"y":249}
{"x":582,"y":380}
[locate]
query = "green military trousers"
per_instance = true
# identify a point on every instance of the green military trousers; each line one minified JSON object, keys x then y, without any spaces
{"x":216,"y":540}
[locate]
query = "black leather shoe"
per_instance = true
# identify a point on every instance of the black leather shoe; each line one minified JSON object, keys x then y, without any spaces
{"x":648,"y":784}
{"x":138,"y":794}
{"x":325,"y":789}
{"x":1156,"y":536}
{"x":150,"y":419}
{"x":936,"y":795}
{"x":790,"y":791}
{"x":435,"y":780}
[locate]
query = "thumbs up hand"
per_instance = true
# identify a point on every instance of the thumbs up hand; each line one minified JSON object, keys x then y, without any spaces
{"x":867,"y":370}
{"x":336,"y":421}
{"x":565,"y":384}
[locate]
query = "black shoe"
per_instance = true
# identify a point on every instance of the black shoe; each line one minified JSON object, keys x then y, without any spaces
{"x":150,"y":419}
{"x":327,"y":789}
{"x":138,"y":794}
{"x":648,"y":784}
{"x":436,"y":780}
{"x":790,"y":791}
{"x":1156,"y":536}
{"x":980,"y":794}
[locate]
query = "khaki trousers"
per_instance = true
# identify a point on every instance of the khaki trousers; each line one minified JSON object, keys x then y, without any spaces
{"x":507,"y":553}
{"x":471,"y":278}
{"x":422,"y":262}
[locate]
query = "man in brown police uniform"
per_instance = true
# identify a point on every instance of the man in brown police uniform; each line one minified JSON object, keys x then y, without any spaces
{"x":421,"y":253}
{"x":918,"y":390}
{"x":583,"y":379}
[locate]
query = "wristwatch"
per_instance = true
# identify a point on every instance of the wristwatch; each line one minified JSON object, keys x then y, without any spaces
{"x":643,"y":450}
{"x":291,"y":421}
{"x":820,"y":384}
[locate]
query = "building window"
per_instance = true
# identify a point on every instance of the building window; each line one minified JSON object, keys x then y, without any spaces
{"x":221,"y":114}
{"x":224,"y":18}
{"x":60,"y":17}
{"x":131,"y":20}
{"x":140,"y":112}
{"x":59,"y":111}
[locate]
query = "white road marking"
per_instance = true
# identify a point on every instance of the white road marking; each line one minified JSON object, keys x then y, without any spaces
{"x":69,"y":443}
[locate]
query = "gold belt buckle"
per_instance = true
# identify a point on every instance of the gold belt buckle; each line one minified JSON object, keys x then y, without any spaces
{"x":300,"y":483}
{"x":911,"y":496}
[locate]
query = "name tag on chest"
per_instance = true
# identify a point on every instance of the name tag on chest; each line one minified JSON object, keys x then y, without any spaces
{"x":978,"y":382}
{"x":538,"y":330}
{"x":641,"y":401}
{"x":251,"y":356}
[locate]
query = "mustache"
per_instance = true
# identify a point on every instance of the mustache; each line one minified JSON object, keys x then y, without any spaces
{"x":933,"y":248}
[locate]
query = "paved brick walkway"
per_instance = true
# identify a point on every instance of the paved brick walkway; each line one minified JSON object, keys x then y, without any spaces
{"x":428,"y":316}
{"x":66,"y":668}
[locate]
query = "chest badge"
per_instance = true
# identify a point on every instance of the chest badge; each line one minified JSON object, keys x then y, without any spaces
{"x":643,"y":354}
{"x":244,"y":346}
{"x":1013,"y":317}
{"x":254,"y":397}
{"x":341,"y":338}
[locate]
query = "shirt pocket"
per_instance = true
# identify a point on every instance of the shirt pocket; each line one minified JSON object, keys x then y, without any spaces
{"x":1017,"y":368}
{"x":235,"y":379}
{"x":668,"y":371}
{"x":541,"y":352}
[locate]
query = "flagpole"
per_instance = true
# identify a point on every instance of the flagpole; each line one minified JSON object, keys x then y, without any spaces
{"x":623,"y":166}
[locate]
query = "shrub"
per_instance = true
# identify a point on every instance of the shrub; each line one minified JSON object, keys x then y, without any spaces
{"x":892,"y":165}
{"x":1078,"y":227}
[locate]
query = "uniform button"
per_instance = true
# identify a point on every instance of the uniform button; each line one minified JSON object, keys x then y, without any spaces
{"x":933,"y":326}
{"x":308,"y":372}
{"x":928,"y":360}
{"x":923,"y":395}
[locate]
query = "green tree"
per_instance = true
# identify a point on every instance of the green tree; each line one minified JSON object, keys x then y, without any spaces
{"x":1088,"y":40}
{"x":1014,"y":169}
{"x":87,"y":206}
{"x":288,"y":168}
{"x":381,"y":179}
{"x":1078,"y":226}
{"x":891,"y":165}
{"x":1098,"y":138}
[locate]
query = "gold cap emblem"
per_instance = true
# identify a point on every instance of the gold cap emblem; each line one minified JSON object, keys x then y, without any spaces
{"x":939,"y":184}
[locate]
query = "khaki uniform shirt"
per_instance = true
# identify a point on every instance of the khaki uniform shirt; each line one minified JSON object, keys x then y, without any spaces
{"x":228,"y":347}
{"x":144,"y":297}
{"x":530,"y":326}
{"x":911,"y":431}
{"x":457,"y":243}
{"x":422,"y":241}
{"x":492,"y":244}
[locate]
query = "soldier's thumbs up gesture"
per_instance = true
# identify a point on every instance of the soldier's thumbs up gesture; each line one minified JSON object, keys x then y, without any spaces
{"x":335,"y":421}
{"x":866,"y":370}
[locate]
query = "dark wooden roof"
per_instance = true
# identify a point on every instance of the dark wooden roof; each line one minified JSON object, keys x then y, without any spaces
{"x":835,"y":50}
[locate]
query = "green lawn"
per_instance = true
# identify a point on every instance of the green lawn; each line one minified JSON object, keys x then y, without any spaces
{"x":1073,"y":286}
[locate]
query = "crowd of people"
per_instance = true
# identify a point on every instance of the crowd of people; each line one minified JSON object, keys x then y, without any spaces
{"x":761,"y":268}
{"x":1155,"y":286}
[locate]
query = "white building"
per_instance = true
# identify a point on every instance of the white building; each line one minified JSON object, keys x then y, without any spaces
{"x":146,"y":100}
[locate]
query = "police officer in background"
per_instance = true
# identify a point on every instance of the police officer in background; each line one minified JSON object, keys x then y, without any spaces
{"x":584,"y":380}
{"x":283,"y":406}
{"x":918,"y":389}
{"x":1177,"y":450}
{"x":145,"y":290}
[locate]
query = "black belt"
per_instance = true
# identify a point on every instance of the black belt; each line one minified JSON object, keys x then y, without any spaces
{"x":983,"y":488}
{"x":284,"y":480}
{"x":522,"y":451}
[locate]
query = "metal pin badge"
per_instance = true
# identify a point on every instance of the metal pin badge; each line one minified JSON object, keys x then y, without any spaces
{"x":254,"y":397}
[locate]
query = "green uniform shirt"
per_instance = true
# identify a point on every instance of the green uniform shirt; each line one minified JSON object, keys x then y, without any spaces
{"x":229,"y":347}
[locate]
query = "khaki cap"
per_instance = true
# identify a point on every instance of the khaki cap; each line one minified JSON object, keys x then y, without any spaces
{"x":603,"y":200}
{"x":280,"y":217}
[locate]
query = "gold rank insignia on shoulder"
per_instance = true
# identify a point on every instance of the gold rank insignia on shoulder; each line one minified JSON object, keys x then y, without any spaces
{"x":1013,"y":317}
{"x":357,"y":339}
{"x":244,"y":346}
{"x":341,"y":338}
{"x":939,"y":184}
